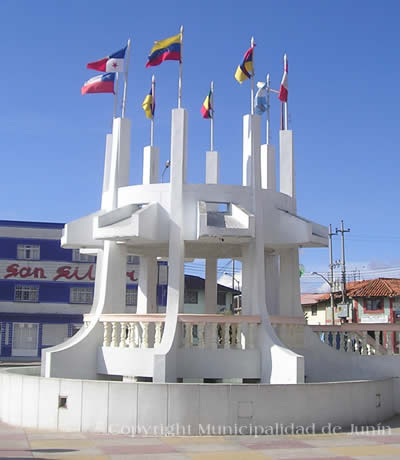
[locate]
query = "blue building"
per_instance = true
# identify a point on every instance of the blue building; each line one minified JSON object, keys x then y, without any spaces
{"x":45,"y":290}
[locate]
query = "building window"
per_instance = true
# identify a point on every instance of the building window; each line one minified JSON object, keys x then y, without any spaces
{"x":374,"y":304}
{"x":132,"y":260}
{"x":26,"y":293}
{"x":28,"y":251}
{"x":221,"y":298}
{"x":81,"y":295}
{"x":78,"y":257}
{"x":191,"y":296}
{"x":131,"y":297}
{"x":314,"y":310}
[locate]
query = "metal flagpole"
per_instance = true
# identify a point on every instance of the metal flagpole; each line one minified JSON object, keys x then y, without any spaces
{"x":267,"y":130}
{"x":128,"y":50}
{"x":180,"y":72}
{"x":285,"y":69}
{"x":252,"y":79}
{"x":116,"y":95}
{"x":212,"y":115}
{"x":153,"y":99}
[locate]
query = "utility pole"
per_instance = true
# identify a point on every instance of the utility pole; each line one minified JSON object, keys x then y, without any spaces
{"x":343,"y":231}
{"x":331,"y":272}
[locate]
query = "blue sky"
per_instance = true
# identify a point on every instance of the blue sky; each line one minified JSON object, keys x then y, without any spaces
{"x":343,"y":104}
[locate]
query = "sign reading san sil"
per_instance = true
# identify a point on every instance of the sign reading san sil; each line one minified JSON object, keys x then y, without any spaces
{"x":55,"y":271}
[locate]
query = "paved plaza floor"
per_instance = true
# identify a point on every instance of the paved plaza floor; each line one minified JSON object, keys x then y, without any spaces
{"x":29,"y":443}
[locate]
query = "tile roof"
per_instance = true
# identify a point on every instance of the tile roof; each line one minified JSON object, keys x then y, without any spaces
{"x":378,"y":287}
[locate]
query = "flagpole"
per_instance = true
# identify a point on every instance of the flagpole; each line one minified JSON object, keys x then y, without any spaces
{"x":212,"y":116}
{"x":128,"y":50}
{"x":252,"y":79}
{"x":286,"y":104}
{"x":180,"y":72}
{"x":267,"y":130}
{"x":116,"y":95}
{"x":153,"y":97}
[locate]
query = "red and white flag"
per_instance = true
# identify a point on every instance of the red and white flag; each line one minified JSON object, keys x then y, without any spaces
{"x":283,"y":91}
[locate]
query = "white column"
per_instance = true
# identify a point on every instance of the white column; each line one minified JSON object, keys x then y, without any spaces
{"x":271,"y":261}
{"x":147,"y":289}
{"x":150,"y":165}
{"x":287,"y":180}
{"x":212,"y":167}
{"x":210,"y":304}
{"x":107,"y":171}
{"x":268,"y":168}
{"x":248,"y":140}
{"x":165,"y":366}
{"x":289,"y":283}
{"x":119,"y":162}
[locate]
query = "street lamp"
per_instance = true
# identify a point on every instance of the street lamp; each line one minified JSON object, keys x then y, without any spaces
{"x":167,"y":165}
{"x":330,"y":284}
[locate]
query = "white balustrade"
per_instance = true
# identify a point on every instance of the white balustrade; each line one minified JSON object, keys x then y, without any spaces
{"x":211,"y":332}
{"x":360,"y":338}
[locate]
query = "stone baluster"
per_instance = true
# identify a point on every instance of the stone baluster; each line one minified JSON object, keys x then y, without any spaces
{"x":122,"y":336}
{"x":145,"y":335}
{"x":227,"y":335}
{"x":157,"y":337}
{"x":233,"y":335}
{"x":341,"y":341}
{"x":389,"y":340}
{"x":131,"y":335}
{"x":107,"y":334}
{"x":200,"y":334}
{"x":251,"y":336}
{"x":214,"y":335}
{"x":364,"y":342}
{"x":114,"y":334}
{"x":377,"y":343}
{"x":356,"y":343}
{"x":238,"y":338}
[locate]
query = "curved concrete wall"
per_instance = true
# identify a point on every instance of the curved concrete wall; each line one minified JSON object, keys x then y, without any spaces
{"x":188,"y":409}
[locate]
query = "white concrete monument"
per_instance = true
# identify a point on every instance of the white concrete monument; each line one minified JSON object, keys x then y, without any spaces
{"x":253,"y":223}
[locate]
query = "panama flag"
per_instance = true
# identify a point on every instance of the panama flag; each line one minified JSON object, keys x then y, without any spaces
{"x":99,"y":84}
{"x":283,"y":91}
{"x":112,"y":63}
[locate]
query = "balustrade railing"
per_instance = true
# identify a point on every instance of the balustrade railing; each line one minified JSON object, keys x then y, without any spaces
{"x":196,"y":331}
{"x":361,"y":338}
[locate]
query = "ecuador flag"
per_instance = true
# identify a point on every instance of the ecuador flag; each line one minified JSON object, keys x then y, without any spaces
{"x":245,"y":69}
{"x":149,"y":105}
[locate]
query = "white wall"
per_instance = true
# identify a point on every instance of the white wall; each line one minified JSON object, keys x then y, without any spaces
{"x":101,"y":406}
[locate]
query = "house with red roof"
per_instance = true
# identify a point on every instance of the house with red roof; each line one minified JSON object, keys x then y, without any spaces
{"x":370,"y":301}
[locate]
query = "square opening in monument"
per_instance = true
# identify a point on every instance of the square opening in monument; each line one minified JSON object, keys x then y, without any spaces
{"x":62,"y":402}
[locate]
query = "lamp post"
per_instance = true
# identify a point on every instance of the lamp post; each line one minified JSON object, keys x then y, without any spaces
{"x":167,"y":165}
{"x":330,"y":284}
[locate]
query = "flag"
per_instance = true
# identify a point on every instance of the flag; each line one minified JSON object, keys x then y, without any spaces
{"x":165,"y":50}
{"x":283,"y":91}
{"x":99,"y":84}
{"x":245,"y":69}
{"x":149,"y":105}
{"x":260,"y":101}
{"x":112,"y":63}
{"x":206,"y":108}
